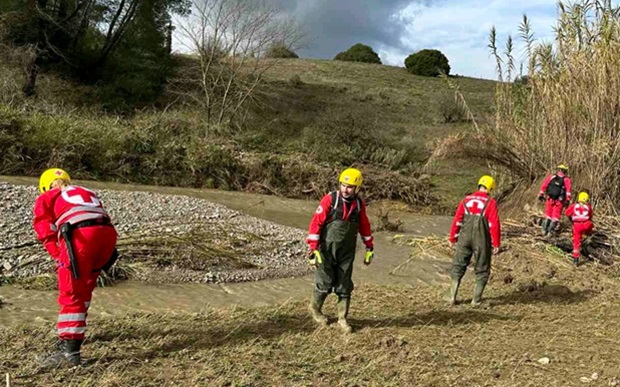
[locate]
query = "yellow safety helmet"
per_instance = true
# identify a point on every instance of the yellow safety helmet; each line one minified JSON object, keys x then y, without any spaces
{"x":583,"y":197}
{"x":51,"y":175}
{"x":351,"y":176}
{"x":487,"y":182}
{"x":563,"y":167}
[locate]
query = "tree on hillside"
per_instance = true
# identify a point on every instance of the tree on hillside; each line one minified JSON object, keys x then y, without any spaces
{"x":279,"y":50}
{"x":359,"y":53}
{"x":82,"y":35}
{"x":231,"y":39}
{"x":428,"y":63}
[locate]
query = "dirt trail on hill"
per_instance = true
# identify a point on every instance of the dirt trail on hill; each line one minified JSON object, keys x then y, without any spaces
{"x":26,"y":305}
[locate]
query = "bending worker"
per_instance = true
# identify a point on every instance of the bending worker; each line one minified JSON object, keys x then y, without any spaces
{"x":580,"y":214}
{"x":475,"y":231}
{"x":557,"y":190}
{"x":76,"y":231}
{"x":332,"y":235}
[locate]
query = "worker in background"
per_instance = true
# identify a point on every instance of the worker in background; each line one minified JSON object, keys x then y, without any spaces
{"x":580,"y":214}
{"x":555,"y":192}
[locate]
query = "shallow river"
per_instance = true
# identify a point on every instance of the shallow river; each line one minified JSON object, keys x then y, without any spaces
{"x":130,"y":296}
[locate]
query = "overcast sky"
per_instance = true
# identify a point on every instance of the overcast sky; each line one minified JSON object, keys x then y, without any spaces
{"x":397,"y":28}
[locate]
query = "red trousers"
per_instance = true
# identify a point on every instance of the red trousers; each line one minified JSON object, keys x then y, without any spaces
{"x":580,"y":229}
{"x":93,"y":247}
{"x":553,"y":209}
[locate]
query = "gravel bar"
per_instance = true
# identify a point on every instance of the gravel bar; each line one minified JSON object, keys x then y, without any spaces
{"x":251,"y":249}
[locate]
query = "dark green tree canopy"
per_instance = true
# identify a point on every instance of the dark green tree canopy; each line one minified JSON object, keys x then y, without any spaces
{"x":359,"y":53}
{"x":280,"y":50}
{"x":429,"y":63}
{"x":94,"y":40}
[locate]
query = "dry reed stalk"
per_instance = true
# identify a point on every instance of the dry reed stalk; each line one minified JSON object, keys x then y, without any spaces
{"x":565,"y":110}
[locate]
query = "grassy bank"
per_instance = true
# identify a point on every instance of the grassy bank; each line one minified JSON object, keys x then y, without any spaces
{"x":314,"y":118}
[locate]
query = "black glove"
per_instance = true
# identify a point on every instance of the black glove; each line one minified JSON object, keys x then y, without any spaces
{"x":541,"y":198}
{"x":108,"y":265}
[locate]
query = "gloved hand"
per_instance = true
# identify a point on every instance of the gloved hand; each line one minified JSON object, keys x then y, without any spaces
{"x":315,"y":258}
{"x":370,"y":254}
{"x":541,"y":198}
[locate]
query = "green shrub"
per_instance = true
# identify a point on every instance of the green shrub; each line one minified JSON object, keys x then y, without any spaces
{"x":428,"y":63}
{"x":450,"y":109}
{"x":280,"y":50}
{"x":341,"y":138}
{"x":295,"y":81}
{"x":359,"y":53}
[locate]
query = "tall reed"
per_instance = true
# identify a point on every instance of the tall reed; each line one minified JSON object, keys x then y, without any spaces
{"x":566,"y":109}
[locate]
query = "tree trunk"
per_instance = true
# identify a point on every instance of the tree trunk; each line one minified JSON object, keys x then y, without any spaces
{"x":29,"y":88}
{"x":169,"y":38}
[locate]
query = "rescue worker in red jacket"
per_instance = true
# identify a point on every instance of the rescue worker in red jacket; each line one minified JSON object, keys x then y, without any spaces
{"x":76,"y":231}
{"x":580,"y":214}
{"x":556,"y":193}
{"x":475,"y":231}
{"x":332,"y":236}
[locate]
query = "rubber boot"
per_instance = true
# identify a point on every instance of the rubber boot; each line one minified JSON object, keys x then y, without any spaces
{"x":454,"y":289}
{"x":478,"y":290}
{"x":553,"y":227}
{"x":343,"y":312}
{"x":67,"y":353}
{"x":545,"y":227}
{"x":316,"y":304}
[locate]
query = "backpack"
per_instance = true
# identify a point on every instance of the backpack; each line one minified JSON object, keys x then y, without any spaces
{"x":556,"y":189}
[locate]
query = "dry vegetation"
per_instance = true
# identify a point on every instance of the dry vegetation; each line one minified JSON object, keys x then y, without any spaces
{"x":385,"y":119}
{"x":538,"y":306}
{"x":565,"y":110}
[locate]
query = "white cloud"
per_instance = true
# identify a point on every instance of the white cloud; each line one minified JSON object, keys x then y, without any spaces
{"x":460,"y":29}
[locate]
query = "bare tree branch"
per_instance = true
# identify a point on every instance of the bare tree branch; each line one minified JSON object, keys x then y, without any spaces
{"x":230,"y":39}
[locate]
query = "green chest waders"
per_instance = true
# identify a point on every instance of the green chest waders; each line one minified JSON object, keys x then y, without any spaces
{"x":474,"y":239}
{"x":337,"y":246}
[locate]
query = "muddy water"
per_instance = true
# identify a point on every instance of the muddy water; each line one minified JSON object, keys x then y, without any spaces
{"x":25,"y":305}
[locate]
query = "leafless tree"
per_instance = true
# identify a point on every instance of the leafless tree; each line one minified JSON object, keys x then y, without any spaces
{"x":230,"y":39}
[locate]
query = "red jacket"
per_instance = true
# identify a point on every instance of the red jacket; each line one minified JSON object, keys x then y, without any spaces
{"x":72,"y":204}
{"x":568,"y":184}
{"x":580,"y":212}
{"x":322,"y":212}
{"x":475,"y":203}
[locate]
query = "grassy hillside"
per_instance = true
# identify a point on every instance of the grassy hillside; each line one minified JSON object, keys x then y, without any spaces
{"x":312,"y":119}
